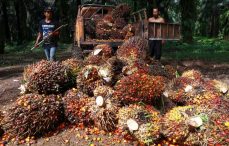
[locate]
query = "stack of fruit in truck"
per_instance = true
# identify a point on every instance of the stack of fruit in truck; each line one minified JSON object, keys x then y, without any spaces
{"x":96,"y":24}
{"x":107,"y":24}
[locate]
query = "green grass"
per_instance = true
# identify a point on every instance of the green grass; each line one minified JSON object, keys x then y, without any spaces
{"x":26,"y":48}
{"x":22,"y":54}
{"x":205,"y":49}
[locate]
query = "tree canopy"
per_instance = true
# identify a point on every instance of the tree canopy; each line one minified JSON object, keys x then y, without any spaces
{"x":19,"y":18}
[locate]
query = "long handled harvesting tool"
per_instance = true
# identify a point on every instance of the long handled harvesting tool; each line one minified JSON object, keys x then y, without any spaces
{"x":64,"y":25}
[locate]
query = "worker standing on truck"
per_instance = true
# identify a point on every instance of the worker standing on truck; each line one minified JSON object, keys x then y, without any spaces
{"x":156,"y":45}
{"x":46,"y":32}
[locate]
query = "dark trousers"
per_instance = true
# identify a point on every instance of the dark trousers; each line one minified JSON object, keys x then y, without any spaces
{"x":155,"y":48}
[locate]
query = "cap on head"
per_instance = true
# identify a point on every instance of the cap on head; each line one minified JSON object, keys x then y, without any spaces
{"x":48,"y":9}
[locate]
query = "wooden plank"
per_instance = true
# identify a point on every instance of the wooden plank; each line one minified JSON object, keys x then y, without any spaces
{"x":164,"y":31}
{"x":170,"y":31}
{"x":154,"y":30}
{"x":145,"y":15}
{"x":167,"y":30}
{"x":140,"y":17}
{"x":177,"y":32}
{"x":160,"y":30}
{"x":174,"y":39}
{"x":80,"y":29}
{"x":76,"y":33}
{"x":140,"y":13}
{"x":111,"y":43}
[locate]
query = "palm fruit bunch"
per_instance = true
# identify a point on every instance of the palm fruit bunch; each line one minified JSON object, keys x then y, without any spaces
{"x":106,"y":50}
{"x":103,"y":29}
{"x":50,"y":78}
{"x":120,"y":23}
{"x":33,"y":115}
{"x":106,"y":73}
{"x":113,"y":29}
{"x":143,"y":122}
{"x":88,"y":79}
{"x":108,"y":18}
{"x":157,"y":69}
{"x":226,"y":96}
{"x":222,"y":105}
{"x":164,"y":104}
{"x":182,"y":89}
{"x":137,"y":42}
{"x":217,"y":86}
{"x":215,"y":101}
{"x":99,"y":55}
{"x":204,"y":98}
{"x":111,"y":25}
{"x":188,"y":91}
{"x":104,"y":109}
{"x":74,"y":65}
{"x":139,"y":87}
{"x":195,"y":125}
{"x":164,"y":142}
{"x":128,"y":31}
{"x":193,"y":74}
{"x":28,"y":71}
{"x":90,"y":27}
{"x":121,"y":11}
{"x":174,"y":126}
{"x":136,"y":67}
{"x":76,"y":106}
{"x":171,"y":71}
{"x":93,"y":60}
{"x":116,"y":34}
{"x":1,"y":118}
{"x":117,"y":67}
{"x":104,"y":91}
{"x":132,"y":50}
{"x":104,"y":24}
{"x":102,"y":34}
{"x":214,"y":132}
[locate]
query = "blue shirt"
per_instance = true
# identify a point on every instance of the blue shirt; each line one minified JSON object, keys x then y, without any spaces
{"x":45,"y":28}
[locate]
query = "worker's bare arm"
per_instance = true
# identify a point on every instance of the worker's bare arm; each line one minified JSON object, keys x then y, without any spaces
{"x":162,"y":20}
{"x":38,"y":38}
{"x":151,"y":20}
{"x":158,"y":20}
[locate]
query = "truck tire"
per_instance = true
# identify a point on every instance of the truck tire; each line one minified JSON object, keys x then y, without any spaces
{"x":77,"y":52}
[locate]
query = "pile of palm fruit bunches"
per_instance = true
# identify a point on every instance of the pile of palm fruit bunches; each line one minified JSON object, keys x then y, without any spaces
{"x":151,"y":102}
{"x":114,"y":25}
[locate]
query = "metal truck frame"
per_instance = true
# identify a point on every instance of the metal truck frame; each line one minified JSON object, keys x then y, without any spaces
{"x":83,"y":45}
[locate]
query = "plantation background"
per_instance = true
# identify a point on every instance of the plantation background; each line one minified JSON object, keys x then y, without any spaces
{"x":205,"y":24}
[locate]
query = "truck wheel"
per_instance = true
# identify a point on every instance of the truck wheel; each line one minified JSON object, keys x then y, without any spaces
{"x":77,"y":52}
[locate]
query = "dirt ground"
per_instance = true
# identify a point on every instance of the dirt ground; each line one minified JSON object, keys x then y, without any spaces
{"x":10,"y":80}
